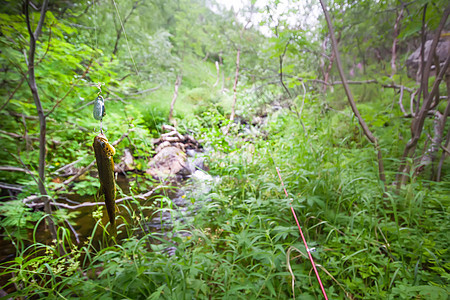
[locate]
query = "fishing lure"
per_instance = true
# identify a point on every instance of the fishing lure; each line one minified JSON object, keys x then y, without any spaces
{"x":99,"y":108}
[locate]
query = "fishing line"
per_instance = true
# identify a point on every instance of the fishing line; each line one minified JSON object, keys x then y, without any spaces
{"x":126,"y":38}
{"x":139,"y":77}
{"x":308,"y":250}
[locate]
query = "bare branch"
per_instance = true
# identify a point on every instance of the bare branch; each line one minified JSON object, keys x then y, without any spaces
{"x":144,"y":91}
{"x":89,"y":204}
{"x":38,"y":30}
{"x":9,"y":186}
{"x":69,"y":165}
{"x":15,"y":169}
{"x":13,"y":93}
{"x":48,"y":46}
{"x":394,"y":43}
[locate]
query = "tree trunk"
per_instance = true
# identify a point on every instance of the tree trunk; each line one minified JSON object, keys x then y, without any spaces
{"x":42,"y":119}
{"x":349,"y":94}
{"x":422,"y":112}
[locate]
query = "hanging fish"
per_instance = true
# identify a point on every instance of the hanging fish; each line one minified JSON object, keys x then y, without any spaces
{"x":104,"y":153}
{"x":99,"y":108}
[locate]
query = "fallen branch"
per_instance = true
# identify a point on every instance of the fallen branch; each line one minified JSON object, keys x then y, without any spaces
{"x":9,"y":186}
{"x":90,"y":204}
{"x":15,"y":169}
{"x":17,"y":136}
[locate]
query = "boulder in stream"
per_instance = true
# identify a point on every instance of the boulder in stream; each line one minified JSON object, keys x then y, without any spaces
{"x":168,"y":162}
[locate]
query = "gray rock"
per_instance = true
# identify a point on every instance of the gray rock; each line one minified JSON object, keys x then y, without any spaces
{"x":168,"y":162}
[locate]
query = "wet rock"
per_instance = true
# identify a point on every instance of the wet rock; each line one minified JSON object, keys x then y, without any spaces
{"x":168,"y":162}
{"x":126,"y":162}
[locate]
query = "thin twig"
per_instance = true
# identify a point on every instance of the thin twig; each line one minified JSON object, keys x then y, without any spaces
{"x":233,"y":105}
{"x":15,"y":135}
{"x":15,"y":169}
{"x":69,"y":165}
{"x":400,"y":101}
{"x":70,"y":90}
{"x":13,"y":93}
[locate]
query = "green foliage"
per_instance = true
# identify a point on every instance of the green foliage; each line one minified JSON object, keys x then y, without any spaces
{"x":17,"y":219}
{"x":238,"y":240}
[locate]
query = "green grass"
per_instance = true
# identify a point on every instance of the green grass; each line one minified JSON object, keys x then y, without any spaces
{"x":368,"y":246}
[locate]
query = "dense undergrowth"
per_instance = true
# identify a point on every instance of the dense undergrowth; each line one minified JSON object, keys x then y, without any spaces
{"x":240,"y":242}
{"x":243,"y":240}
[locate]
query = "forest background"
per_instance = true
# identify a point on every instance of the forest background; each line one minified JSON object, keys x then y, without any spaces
{"x":360,"y":136}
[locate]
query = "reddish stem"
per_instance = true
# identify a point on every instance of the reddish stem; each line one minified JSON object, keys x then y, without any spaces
{"x":303,"y":238}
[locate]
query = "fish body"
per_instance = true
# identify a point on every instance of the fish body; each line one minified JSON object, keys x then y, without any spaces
{"x":104,"y":153}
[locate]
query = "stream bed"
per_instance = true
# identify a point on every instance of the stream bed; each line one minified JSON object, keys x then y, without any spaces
{"x":175,"y":201}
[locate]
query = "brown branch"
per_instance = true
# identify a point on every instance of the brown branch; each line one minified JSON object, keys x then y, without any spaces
{"x":358,"y":82}
{"x":418,"y":122}
{"x":84,"y":105}
{"x":445,"y":149}
{"x":349,"y":94}
{"x":9,"y":186}
{"x":441,"y":161}
{"x":281,"y":67}
{"x":76,"y":176}
{"x":89,"y":204}
{"x":48,"y":46}
{"x":15,"y":169}
{"x":119,"y":32}
{"x":69,"y":165}
{"x":15,"y":135}
{"x":13,"y":93}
